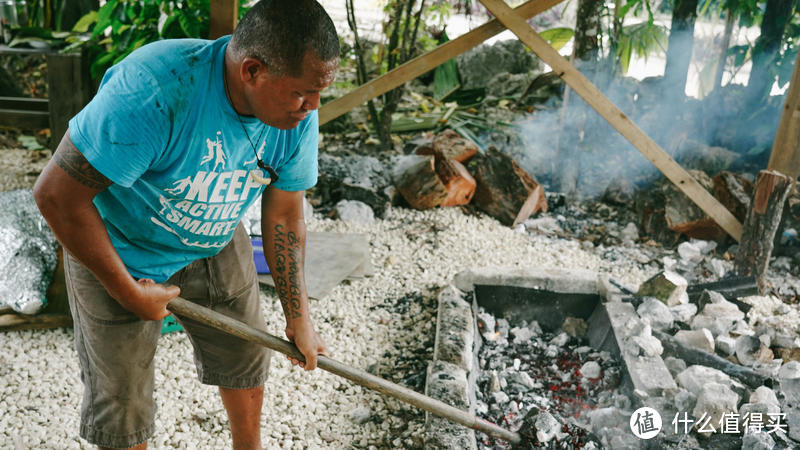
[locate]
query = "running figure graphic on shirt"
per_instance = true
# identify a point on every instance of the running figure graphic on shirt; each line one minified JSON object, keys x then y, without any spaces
{"x":259,"y":154}
{"x":214,"y":152}
{"x":180,"y":186}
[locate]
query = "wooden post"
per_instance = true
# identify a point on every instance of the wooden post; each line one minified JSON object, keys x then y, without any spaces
{"x":69,"y":87}
{"x":785,"y":157}
{"x":589,"y":92}
{"x":763,"y":218}
{"x":424,"y":63}
{"x":223,"y":17}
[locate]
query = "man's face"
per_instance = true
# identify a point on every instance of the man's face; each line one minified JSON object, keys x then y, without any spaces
{"x":284,"y":101}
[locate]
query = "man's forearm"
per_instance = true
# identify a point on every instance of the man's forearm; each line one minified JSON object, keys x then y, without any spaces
{"x":285,"y":253}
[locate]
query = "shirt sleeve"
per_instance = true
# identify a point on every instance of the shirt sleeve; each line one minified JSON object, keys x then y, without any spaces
{"x":125,"y":127}
{"x":299,"y":172}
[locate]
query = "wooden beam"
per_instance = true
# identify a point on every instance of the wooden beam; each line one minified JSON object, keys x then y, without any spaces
{"x":24,"y":103}
{"x":425,"y":63}
{"x":223,"y":17}
{"x":785,"y":156}
{"x":69,"y":88}
{"x":25,"y":119}
{"x":589,"y":92}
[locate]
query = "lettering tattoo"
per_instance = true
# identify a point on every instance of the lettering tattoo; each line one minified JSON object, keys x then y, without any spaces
{"x":287,"y":282}
{"x":72,"y":161}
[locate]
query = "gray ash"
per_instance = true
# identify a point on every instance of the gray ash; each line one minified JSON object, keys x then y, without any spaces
{"x":527,"y":374}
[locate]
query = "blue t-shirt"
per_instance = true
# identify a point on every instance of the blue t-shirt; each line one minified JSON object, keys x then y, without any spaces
{"x":162,"y":130}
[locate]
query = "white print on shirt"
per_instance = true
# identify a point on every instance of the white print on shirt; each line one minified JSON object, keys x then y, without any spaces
{"x":214,"y":152}
{"x":259,"y":154}
{"x":206,"y":205}
{"x":180,"y":186}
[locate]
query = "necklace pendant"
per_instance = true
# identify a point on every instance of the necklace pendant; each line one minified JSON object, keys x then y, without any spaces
{"x":256,"y":176}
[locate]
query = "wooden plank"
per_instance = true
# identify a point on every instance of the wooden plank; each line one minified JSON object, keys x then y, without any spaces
{"x":24,"y":103}
{"x":15,"y":321}
{"x":425,"y":63}
{"x":68,"y":84}
{"x":785,"y":156}
{"x":24,"y":119}
{"x":223,"y":17}
{"x":589,"y":92}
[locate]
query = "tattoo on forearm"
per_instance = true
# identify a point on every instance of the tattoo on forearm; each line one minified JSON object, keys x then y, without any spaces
{"x":287,"y":246}
{"x":72,"y":161}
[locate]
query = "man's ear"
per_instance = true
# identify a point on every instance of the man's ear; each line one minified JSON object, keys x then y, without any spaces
{"x":250,"y":69}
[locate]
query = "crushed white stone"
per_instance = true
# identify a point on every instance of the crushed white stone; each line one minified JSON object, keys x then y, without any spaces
{"x":414,"y":253}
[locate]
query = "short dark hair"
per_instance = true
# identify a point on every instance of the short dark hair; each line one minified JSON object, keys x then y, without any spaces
{"x":279,"y":32}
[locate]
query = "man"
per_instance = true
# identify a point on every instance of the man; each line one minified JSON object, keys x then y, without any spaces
{"x":146,"y":190}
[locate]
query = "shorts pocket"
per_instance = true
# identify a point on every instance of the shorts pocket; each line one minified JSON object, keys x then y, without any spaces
{"x":90,"y":295}
{"x":232,"y":270}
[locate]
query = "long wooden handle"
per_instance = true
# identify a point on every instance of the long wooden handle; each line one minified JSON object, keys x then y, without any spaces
{"x":185,"y":308}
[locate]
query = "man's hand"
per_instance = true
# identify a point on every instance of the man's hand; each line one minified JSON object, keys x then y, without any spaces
{"x":308,"y":342}
{"x":149,"y":299}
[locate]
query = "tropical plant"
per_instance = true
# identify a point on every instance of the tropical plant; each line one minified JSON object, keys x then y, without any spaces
{"x":398,"y":45}
{"x":121,"y":26}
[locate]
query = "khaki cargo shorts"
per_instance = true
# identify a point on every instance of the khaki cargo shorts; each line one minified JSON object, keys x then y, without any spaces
{"x":116,"y":348}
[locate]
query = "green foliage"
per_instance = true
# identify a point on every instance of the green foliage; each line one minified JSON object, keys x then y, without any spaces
{"x":121,"y":26}
{"x":640,"y":39}
{"x":557,"y":37}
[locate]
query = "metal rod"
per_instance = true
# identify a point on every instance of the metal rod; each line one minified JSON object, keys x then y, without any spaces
{"x":185,"y":308}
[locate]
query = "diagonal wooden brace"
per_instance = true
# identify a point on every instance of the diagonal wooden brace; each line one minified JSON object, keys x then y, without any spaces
{"x":425,"y":63}
{"x":589,"y":92}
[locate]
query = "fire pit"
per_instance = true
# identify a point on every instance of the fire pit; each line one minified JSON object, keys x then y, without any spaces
{"x":528,"y":342}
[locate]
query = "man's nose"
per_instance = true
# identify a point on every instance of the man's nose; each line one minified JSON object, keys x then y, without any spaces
{"x":311,"y":102}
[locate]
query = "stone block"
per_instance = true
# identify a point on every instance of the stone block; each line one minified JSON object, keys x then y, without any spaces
{"x":657,"y":312}
{"x":455,"y":331}
{"x":667,"y":286}
{"x":725,"y":345}
{"x":565,"y":281}
{"x":695,"y":377}
{"x":612,"y":327}
{"x":715,"y":399}
{"x":700,"y":339}
{"x":448,"y":383}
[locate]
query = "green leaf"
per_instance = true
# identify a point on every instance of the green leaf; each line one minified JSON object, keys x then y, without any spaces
{"x":189,"y":25}
{"x":82,"y":26}
{"x":741,"y":54}
{"x":100,"y":64}
{"x":104,"y":18}
{"x":29,"y":142}
{"x":557,"y":37}
{"x":164,"y":28}
{"x":34,"y":42}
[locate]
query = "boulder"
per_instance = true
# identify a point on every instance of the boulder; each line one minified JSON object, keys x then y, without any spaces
{"x":700,"y":339}
{"x":477,"y":66}
{"x":714,"y":400}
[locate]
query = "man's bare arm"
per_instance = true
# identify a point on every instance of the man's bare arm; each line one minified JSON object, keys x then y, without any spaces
{"x":284,"y":231}
{"x":76,"y":166}
{"x":64,"y":194}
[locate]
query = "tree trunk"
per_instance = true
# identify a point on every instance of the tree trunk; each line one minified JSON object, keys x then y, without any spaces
{"x":777,"y":15}
{"x":681,"y":42}
{"x":763,"y":218}
{"x":723,"y":48}
{"x":587,"y":30}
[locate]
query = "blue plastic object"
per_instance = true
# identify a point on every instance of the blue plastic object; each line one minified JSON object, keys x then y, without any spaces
{"x":170,"y":324}
{"x":258,"y":255}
